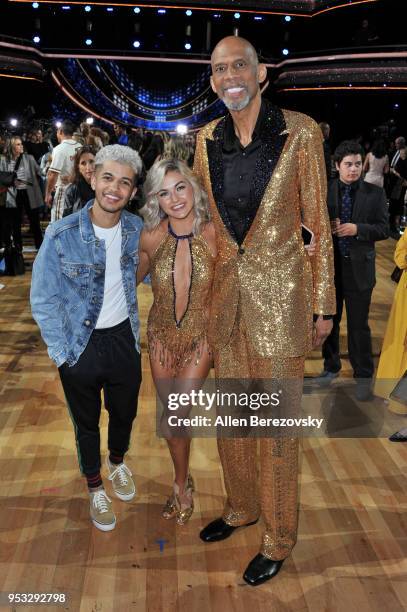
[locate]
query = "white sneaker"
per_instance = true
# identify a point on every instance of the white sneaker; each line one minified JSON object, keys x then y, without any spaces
{"x":101,"y":511}
{"x":122,"y":481}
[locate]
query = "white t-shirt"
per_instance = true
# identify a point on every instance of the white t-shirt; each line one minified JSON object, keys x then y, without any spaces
{"x":114,"y":307}
{"x":62,"y":158}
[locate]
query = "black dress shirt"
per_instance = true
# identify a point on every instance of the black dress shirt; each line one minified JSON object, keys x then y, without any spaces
{"x":239,"y":166}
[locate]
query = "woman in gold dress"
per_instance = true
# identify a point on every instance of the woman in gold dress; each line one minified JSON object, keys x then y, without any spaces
{"x":393,"y":358}
{"x":178,"y":248}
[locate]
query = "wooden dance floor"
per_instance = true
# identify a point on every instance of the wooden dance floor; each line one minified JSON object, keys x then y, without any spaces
{"x":352,"y":544}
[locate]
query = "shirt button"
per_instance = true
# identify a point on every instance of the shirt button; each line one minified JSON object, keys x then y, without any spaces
{"x":87,"y":322}
{"x":241,"y":177}
{"x":239,"y":199}
{"x":241,"y":251}
{"x":244,"y":154}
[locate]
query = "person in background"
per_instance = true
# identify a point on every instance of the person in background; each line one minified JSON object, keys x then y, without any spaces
{"x":154,"y":152}
{"x":121,"y":134}
{"x":398,"y":192}
{"x":326,"y":131}
{"x":79,"y":191}
{"x":60,"y":169}
{"x":36,"y":145}
{"x":376,"y":164}
{"x":25,"y":196}
{"x":393,"y":358}
{"x":358,"y":213}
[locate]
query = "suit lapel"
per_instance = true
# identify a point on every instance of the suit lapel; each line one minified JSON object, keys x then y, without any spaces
{"x":273,"y":140}
{"x":216,"y":170}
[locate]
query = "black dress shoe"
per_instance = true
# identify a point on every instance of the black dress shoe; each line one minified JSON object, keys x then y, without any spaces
{"x":219,"y":530}
{"x":261,"y":569}
{"x":398,"y":437}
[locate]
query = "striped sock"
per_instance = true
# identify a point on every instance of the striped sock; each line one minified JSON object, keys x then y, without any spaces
{"x":115,"y":458}
{"x":94,"y":481}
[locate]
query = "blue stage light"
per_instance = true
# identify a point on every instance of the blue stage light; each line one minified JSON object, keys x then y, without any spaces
{"x":88,"y":8}
{"x":258,"y":18}
{"x":236,"y":15}
{"x":287,"y":18}
{"x":188,"y":46}
{"x":217,"y":15}
{"x":36,"y":39}
{"x":88,"y":42}
{"x":35,"y":5}
{"x":188,"y":13}
{"x":161,"y":11}
{"x":136,"y":10}
{"x":66,"y":7}
{"x":285,"y":52}
{"x":110,"y":9}
{"x":136,"y":44}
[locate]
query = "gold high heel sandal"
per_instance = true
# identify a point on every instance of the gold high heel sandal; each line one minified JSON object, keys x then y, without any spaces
{"x":173,"y":505}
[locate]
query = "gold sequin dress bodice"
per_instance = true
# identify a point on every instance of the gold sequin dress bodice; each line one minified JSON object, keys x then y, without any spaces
{"x":175,"y":341}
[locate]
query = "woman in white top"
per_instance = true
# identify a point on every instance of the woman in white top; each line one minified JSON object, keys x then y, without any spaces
{"x":376,"y":164}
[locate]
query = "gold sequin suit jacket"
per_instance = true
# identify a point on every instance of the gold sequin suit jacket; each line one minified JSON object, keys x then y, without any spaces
{"x":277,"y":286}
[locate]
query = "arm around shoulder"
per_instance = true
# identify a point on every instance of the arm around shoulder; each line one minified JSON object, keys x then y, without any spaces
{"x":144,"y":259}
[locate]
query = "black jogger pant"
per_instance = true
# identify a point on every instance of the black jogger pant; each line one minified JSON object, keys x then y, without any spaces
{"x":112,"y":363}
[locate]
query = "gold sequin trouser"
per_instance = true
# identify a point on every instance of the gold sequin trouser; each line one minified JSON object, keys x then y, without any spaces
{"x":277,"y":496}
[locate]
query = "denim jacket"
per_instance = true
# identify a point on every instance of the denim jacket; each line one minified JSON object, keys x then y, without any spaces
{"x":68,"y":282}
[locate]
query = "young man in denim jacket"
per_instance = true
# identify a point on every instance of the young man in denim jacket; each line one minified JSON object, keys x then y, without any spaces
{"x":83,"y":298}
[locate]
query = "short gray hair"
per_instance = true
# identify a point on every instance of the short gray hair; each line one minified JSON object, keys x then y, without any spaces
{"x":121,"y":155}
{"x":151,"y":211}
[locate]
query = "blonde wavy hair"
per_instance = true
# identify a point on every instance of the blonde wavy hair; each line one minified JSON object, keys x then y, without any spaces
{"x":152,"y":212}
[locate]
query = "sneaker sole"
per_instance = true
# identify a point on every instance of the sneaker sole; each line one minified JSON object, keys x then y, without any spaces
{"x":126,"y":496}
{"x":103,"y":527}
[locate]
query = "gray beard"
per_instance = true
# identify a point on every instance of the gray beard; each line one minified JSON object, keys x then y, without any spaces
{"x":237,"y":106}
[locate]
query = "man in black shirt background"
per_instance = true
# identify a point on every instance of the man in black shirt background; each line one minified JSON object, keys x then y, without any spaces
{"x":358,"y":213}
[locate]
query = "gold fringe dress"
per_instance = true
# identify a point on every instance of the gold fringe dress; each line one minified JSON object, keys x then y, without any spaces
{"x":176,"y":343}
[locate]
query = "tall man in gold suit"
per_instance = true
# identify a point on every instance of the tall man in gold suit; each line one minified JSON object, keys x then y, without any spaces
{"x":263,"y":169}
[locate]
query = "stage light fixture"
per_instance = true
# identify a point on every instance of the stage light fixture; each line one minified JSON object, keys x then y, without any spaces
{"x":89,"y":120}
{"x":188,"y":13}
{"x":287,"y":18}
{"x":88,"y":8}
{"x":66,"y":7}
{"x":236,"y":15}
{"x":258,"y":18}
{"x":136,"y":10}
{"x":285,"y":52}
{"x":396,"y":105}
{"x":188,"y":46}
{"x":161,"y":11}
{"x":136,"y":44}
{"x":181,"y":129}
{"x":13,"y":122}
{"x":217,"y":16}
{"x":35,"y":5}
{"x":88,"y":42}
{"x":58,"y":124}
{"x":110,"y":9}
{"x":36,"y":39}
